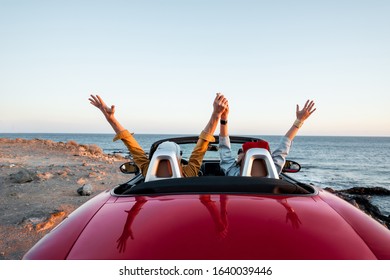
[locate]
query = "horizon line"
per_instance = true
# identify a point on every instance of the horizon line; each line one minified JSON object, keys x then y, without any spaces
{"x":191,"y":134}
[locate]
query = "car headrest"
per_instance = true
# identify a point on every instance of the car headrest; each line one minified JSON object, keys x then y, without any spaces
{"x":258,"y":162}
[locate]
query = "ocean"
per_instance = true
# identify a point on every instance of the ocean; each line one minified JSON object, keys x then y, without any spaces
{"x":327,"y":161}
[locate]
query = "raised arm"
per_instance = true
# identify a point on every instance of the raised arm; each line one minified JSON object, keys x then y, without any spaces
{"x":227,"y":159}
{"x":224,"y":130}
{"x":138,"y":154}
{"x":280,"y":153}
{"x":108,"y":112}
{"x":301,"y":115}
{"x":206,"y":136}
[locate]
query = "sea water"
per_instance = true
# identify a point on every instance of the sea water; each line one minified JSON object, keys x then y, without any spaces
{"x":327,"y":161}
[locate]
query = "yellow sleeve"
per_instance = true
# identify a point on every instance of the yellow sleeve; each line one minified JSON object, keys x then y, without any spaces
{"x":196,"y":158}
{"x":138,"y":154}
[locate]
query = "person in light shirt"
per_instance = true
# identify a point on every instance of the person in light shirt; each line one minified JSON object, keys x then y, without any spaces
{"x":232,"y":167}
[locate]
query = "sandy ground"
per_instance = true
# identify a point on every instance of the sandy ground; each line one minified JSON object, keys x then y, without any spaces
{"x":39,"y":180}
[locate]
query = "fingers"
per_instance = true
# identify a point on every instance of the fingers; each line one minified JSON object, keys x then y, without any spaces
{"x":306,"y":111}
{"x":96,"y":101}
{"x":312,"y":111}
{"x":309,"y":107}
{"x":221,"y":100}
{"x":224,"y":103}
{"x":309,"y":104}
{"x":100,"y":100}
{"x":219,"y":97}
{"x":93,"y":99}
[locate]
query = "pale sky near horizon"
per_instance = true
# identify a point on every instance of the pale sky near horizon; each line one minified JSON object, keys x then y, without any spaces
{"x":161,"y":63}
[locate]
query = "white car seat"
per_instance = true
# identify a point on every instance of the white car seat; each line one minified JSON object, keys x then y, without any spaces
{"x":258,"y":162}
{"x":163,"y":165}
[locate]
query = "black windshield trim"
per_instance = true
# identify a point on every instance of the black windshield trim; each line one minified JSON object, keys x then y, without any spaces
{"x":218,"y":184}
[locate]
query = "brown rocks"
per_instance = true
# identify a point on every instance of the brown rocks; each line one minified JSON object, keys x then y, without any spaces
{"x":23,"y":176}
{"x":43,"y":221}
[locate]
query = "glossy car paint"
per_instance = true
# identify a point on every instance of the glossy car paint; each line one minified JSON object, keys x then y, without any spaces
{"x":216,"y":226}
{"x":57,"y":244}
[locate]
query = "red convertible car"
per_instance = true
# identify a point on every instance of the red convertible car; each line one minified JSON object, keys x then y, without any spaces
{"x":213,"y":216}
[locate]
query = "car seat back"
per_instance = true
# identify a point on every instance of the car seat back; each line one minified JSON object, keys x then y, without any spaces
{"x":163,"y":165}
{"x":258,"y":163}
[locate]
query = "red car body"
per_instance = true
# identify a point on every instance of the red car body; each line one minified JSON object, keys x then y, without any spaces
{"x":216,"y":226}
{"x":216,"y":217}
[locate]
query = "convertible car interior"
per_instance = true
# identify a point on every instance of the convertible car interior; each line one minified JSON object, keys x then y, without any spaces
{"x":217,"y":184}
{"x":211,"y":180}
{"x":259,"y":176}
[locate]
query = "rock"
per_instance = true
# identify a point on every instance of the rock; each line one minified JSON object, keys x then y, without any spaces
{"x":359,"y":197}
{"x":81,"y":181}
{"x":85,"y":190}
{"x":367,"y":191}
{"x":92,"y":174}
{"x":45,"y":176}
{"x":62,"y":173}
{"x":40,"y":221}
{"x":118,"y":156}
{"x":95,"y":149}
{"x":23,"y":176}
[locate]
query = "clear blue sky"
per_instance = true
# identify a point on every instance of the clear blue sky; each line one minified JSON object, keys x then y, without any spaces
{"x":161,"y":63}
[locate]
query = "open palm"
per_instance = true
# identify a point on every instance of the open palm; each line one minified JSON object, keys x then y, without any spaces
{"x":98,"y":102}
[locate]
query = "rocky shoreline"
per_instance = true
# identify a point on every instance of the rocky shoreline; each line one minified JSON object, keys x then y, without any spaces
{"x":360,"y":198}
{"x":41,"y":182}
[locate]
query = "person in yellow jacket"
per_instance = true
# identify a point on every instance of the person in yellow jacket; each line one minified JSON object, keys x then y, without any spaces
{"x":141,"y":159}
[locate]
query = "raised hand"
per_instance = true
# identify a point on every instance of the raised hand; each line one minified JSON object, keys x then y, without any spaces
{"x":98,"y":102}
{"x":225,"y":113}
{"x":307,"y":110}
{"x":220,"y":104}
